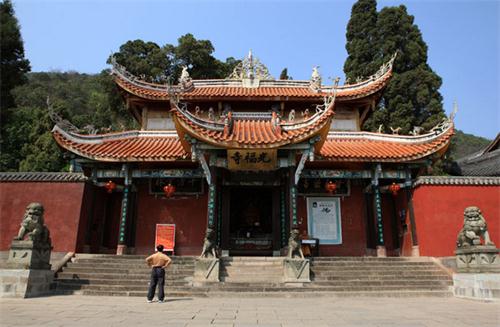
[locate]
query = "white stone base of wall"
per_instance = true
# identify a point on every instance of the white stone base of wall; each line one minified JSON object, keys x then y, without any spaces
{"x":25,"y":282}
{"x":480,"y":286}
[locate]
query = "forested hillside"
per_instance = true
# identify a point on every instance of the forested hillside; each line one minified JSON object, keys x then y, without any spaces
{"x":90,"y":102}
{"x":463,"y":144}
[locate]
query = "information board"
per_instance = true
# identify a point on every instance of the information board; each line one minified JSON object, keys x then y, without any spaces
{"x":165,"y":235}
{"x":324,"y":221}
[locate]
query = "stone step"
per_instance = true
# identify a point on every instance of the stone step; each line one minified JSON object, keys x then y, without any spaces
{"x":125,"y":262}
{"x":387,"y":259}
{"x":312,"y":294}
{"x":77,"y":269}
{"x":382,"y":282}
{"x":217,"y":294}
{"x":125,"y":256}
{"x":134,"y":282}
{"x":251,"y":259}
{"x":381,"y":271}
{"x":245,"y":272}
{"x":71,"y":275}
{"x":172,"y":268}
{"x":379,"y":277}
{"x":232,"y":288}
{"x":365,"y":264}
{"x":373,"y":267}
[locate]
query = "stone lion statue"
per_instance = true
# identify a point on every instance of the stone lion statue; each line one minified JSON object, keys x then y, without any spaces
{"x":294,"y":245}
{"x":209,"y":245}
{"x":33,"y":225}
{"x":474,"y":229}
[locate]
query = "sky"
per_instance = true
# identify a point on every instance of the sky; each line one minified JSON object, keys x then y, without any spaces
{"x":463,"y":39}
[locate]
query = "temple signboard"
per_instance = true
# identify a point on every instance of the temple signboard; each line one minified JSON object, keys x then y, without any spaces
{"x":252,"y":159}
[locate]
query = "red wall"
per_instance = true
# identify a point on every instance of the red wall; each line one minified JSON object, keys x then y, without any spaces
{"x":439,"y":211}
{"x":62,"y":203}
{"x":353,"y":225}
{"x":188,"y":213}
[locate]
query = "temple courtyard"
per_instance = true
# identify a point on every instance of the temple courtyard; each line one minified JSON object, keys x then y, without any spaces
{"x":77,"y":310}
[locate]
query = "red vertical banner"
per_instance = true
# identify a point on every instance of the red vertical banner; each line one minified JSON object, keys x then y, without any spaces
{"x":165,"y":235}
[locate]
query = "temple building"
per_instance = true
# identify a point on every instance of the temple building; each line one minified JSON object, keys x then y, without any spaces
{"x":252,"y":157}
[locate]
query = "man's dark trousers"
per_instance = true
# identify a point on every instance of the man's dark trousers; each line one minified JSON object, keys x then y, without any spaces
{"x":157,"y":277}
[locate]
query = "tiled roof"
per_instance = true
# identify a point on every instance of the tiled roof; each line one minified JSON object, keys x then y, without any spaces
{"x":252,"y":133}
{"x":126,"y":146}
{"x":363,"y":146}
{"x":166,"y":146}
{"x":206,"y":89}
{"x":457,"y":180}
{"x":483,"y":163}
{"x":53,"y":177}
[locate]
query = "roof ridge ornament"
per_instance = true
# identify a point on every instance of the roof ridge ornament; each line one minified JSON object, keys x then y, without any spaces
{"x":315,"y":83}
{"x":387,"y":66}
{"x":250,"y":68}
{"x":185,"y":81}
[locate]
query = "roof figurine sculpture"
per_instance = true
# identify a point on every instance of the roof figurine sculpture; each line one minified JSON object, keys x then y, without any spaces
{"x":315,"y":83}
{"x":185,"y":80}
{"x":250,"y":68}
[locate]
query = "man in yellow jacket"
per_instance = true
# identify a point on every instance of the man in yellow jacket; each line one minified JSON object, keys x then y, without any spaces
{"x":158,"y":262}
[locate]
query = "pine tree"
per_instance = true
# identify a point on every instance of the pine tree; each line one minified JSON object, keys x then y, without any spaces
{"x":13,"y":69}
{"x":363,"y":55}
{"x":412,"y":97}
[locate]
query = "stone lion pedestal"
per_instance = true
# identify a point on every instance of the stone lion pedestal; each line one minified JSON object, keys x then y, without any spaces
{"x":206,"y":270}
{"x":296,"y":271}
{"x":478,"y":259}
{"x":478,"y":265}
{"x":27,"y":271}
{"x":27,"y":254}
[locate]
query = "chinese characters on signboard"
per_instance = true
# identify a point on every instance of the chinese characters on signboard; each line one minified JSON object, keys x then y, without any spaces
{"x":251,"y":159}
{"x":324,"y":221}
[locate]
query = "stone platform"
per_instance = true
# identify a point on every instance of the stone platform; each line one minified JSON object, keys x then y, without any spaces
{"x":26,"y":282}
{"x":485,"y":286}
{"x":84,"y":311}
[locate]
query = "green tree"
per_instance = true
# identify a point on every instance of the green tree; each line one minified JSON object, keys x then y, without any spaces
{"x":154,"y":63}
{"x":13,"y":69}
{"x":144,"y":59}
{"x":90,"y":102}
{"x":284,"y":74}
{"x":13,"y":65}
{"x":412,"y":97}
{"x":363,"y":53}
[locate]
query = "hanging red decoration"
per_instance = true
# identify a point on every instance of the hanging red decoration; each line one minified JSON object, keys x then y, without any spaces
{"x":394,"y":188}
{"x":110,"y":186}
{"x":169,"y":190}
{"x":330,"y":187}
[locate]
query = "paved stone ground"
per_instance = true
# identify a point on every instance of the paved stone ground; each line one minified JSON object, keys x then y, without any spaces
{"x":323,"y":311}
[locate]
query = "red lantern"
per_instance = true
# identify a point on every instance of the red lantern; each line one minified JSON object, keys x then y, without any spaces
{"x":169,"y":190}
{"x":394,"y":188}
{"x":110,"y":186}
{"x":331,"y":187}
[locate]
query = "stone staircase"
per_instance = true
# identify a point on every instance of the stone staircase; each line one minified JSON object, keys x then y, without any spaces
{"x":248,"y":276}
{"x":251,"y":270}
{"x":371,"y":276}
{"x":127,"y":275}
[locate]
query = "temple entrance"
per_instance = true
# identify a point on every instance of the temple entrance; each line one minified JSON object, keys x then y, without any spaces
{"x":251,"y":218}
